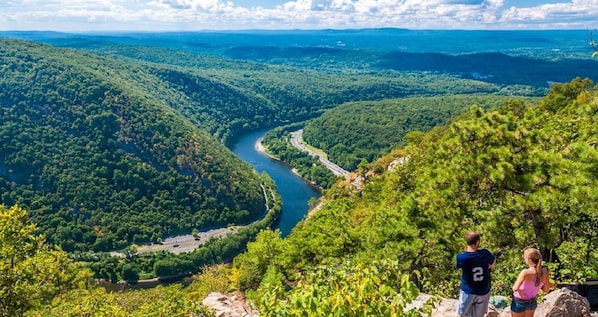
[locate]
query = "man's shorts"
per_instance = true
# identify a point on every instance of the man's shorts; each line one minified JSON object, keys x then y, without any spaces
{"x":473,"y":305}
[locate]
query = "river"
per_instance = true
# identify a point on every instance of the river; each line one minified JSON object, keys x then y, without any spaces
{"x":294,"y":190}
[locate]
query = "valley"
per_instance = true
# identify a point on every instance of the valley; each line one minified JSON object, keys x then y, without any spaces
{"x":129,"y":142}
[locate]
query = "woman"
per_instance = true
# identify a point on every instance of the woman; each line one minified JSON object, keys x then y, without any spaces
{"x":528,"y":284}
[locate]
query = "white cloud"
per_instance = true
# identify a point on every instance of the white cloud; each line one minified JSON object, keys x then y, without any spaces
{"x":195,"y":5}
{"x":82,"y":15}
{"x":578,"y":14}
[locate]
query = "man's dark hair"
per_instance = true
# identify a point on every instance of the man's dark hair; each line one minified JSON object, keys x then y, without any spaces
{"x":472,"y":237}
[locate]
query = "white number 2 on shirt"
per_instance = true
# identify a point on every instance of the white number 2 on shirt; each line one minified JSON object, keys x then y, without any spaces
{"x":478,"y":274}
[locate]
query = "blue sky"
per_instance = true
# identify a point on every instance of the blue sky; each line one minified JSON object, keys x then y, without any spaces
{"x":190,"y":15}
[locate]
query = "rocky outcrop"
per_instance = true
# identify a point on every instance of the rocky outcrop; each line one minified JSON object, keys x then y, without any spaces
{"x":232,"y":305}
{"x":564,"y":303}
{"x":447,"y":307}
{"x":559,"y":303}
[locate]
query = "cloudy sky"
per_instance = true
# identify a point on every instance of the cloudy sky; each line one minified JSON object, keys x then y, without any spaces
{"x":180,"y":15}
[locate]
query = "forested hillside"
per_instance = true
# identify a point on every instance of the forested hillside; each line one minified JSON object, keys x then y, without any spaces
{"x":524,"y":175}
{"x":92,"y":150}
{"x":296,"y":93}
{"x":111,"y":141}
{"x":358,"y":132}
{"x":492,"y":67}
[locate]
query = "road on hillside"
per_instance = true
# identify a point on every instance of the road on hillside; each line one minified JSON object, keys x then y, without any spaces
{"x":188,"y":242}
{"x":296,"y":142}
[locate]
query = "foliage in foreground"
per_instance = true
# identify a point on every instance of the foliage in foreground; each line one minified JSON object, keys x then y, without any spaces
{"x":348,"y":289}
{"x":36,"y":280}
{"x":31,"y":273}
{"x":159,"y":301}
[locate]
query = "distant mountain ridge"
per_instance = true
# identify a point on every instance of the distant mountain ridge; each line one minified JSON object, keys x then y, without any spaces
{"x":494,"y":67}
{"x":375,"y":39}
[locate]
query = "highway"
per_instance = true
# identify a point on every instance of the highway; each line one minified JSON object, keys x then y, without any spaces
{"x":296,"y":142}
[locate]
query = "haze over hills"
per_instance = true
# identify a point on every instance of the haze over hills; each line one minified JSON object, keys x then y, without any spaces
{"x":518,"y":42}
{"x":317,"y":48}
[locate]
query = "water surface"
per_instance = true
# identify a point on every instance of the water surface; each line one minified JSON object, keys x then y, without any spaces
{"x":294,"y":190}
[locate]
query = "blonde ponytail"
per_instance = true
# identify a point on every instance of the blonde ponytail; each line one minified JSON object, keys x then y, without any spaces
{"x":539,"y":272}
{"x":536,"y":257}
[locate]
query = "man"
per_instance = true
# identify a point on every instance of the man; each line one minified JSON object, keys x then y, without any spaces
{"x":475,"y":265}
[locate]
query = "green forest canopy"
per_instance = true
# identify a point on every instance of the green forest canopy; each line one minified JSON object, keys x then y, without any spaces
{"x":99,"y":161}
{"x":37,"y":280}
{"x":366,"y":130}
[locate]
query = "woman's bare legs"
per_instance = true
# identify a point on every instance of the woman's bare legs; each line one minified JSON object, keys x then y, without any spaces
{"x":529,"y":313}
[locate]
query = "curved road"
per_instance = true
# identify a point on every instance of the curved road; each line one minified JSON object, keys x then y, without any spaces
{"x":296,"y":142}
{"x":187,"y":242}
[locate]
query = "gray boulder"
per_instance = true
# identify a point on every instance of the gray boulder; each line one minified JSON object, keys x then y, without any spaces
{"x":563,"y":303}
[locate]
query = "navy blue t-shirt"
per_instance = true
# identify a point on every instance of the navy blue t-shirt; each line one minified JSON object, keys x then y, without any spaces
{"x":475,"y":273}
